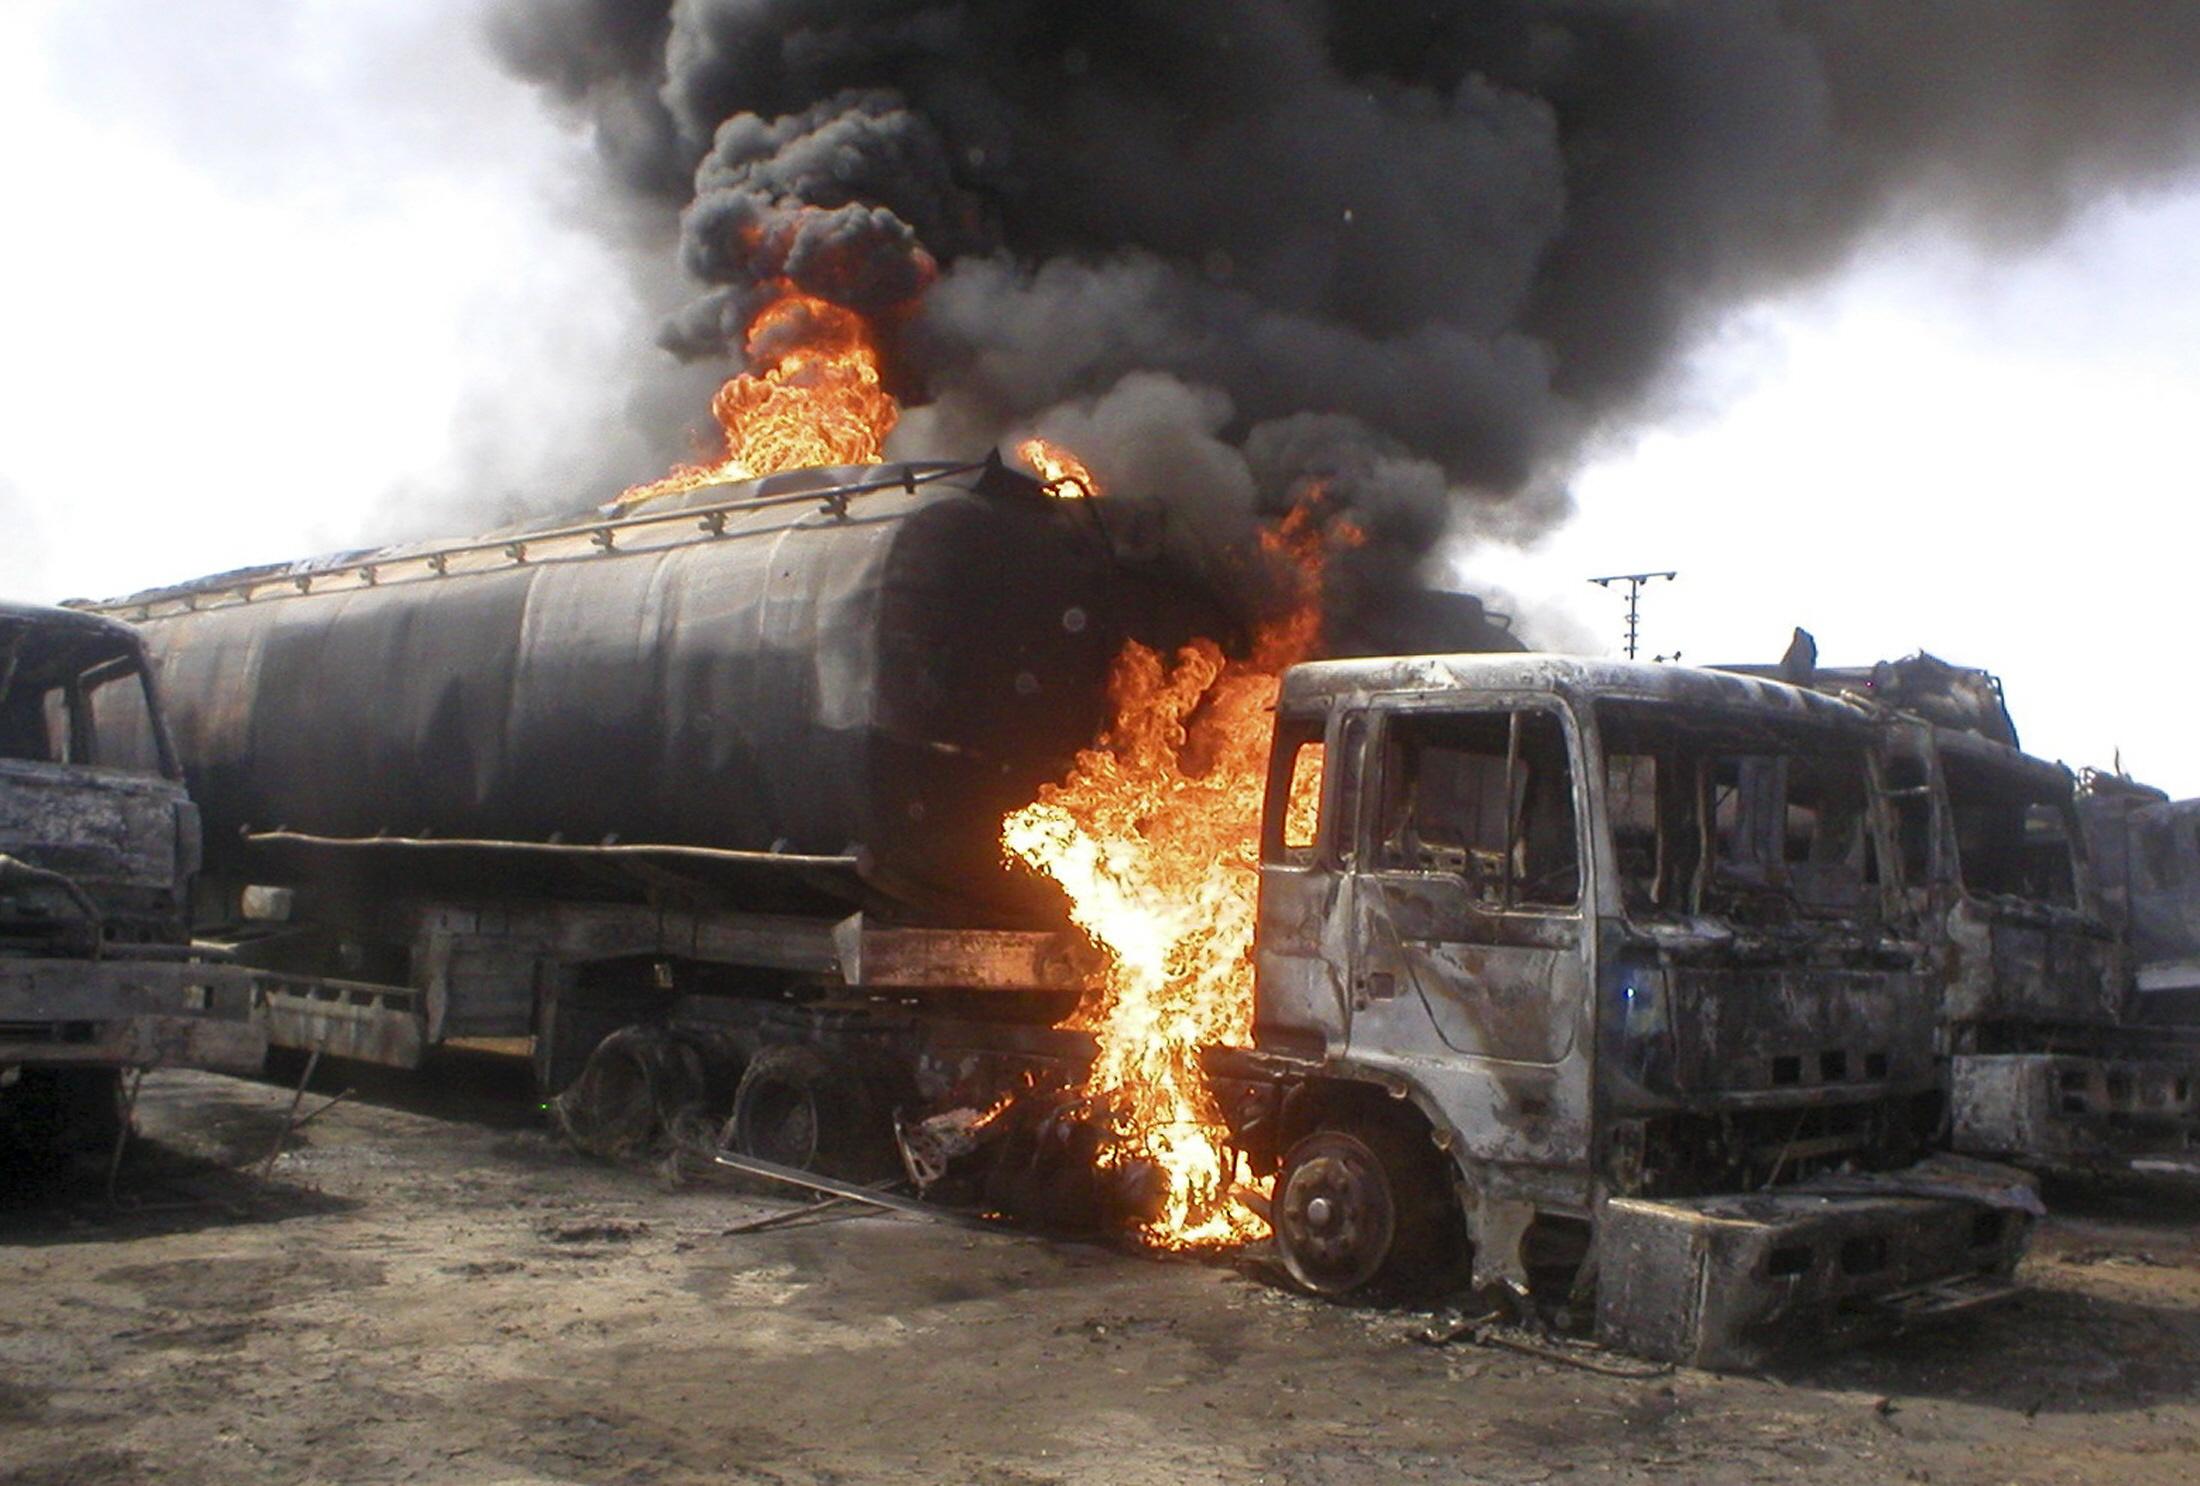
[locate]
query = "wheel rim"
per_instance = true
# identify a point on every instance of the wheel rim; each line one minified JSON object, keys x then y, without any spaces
{"x":779,"y":1123}
{"x":1336,"y":1217}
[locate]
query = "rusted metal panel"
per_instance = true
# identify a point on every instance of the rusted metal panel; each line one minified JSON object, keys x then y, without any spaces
{"x":973,"y":959}
{"x":145,"y":1042}
{"x":2068,"y":1111}
{"x":374,"y":1023}
{"x":178,"y":1015}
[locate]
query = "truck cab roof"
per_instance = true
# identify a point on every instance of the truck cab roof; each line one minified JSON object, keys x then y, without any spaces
{"x":1318,"y":684}
{"x":40,"y":644}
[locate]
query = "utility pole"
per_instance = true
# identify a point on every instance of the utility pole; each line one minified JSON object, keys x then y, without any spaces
{"x":1634,"y":582}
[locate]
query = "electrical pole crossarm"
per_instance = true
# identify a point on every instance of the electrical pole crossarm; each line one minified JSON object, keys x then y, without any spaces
{"x":1634,"y":582}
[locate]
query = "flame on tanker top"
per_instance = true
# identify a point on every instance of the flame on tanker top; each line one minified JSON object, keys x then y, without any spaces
{"x":812,"y":396}
{"x":1155,"y":834}
{"x":1061,"y":473}
{"x":1154,"y":837}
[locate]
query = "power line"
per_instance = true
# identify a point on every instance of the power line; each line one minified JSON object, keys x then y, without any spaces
{"x":1634,"y":582}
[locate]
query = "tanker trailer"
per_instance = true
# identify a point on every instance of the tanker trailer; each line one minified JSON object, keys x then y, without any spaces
{"x":754,"y":740}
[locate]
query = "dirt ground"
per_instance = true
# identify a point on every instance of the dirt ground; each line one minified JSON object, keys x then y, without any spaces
{"x":430,"y":1289}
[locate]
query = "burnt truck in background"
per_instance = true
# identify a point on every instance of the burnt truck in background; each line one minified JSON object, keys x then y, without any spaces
{"x":2045,"y":1063}
{"x":98,"y":843}
{"x":705,"y":797}
{"x":2146,"y":850}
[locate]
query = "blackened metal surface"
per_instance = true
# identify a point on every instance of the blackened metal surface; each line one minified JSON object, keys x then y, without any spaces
{"x":1730,"y":1282}
{"x":172,"y":1015}
{"x":884,"y":684}
{"x":1960,"y":698}
{"x":2152,"y":848}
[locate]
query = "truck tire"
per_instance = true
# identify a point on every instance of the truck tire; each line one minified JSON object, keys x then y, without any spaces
{"x":798,"y":1109}
{"x":1359,"y":1208}
{"x":572,"y":1020}
{"x":637,"y":1082}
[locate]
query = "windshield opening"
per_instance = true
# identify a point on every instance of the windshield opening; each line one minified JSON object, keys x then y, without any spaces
{"x":68,"y":700}
{"x":1717,"y":814}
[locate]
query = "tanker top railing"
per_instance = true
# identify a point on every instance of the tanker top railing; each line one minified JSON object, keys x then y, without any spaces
{"x":709,"y":522}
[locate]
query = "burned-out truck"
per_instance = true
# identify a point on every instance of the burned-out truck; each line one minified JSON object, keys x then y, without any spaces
{"x":2146,"y":853}
{"x":98,"y":843}
{"x":1612,"y":962}
{"x":2045,"y":1064}
{"x":1590,"y":967}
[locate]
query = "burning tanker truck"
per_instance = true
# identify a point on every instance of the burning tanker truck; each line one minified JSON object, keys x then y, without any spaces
{"x":1587,"y":979}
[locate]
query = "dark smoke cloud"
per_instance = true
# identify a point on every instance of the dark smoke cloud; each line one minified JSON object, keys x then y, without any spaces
{"x":1414,"y":252}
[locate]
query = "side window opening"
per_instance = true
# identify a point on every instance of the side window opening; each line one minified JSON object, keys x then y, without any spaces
{"x":122,"y":720}
{"x":1631,"y":800}
{"x":2012,"y":836}
{"x":34,"y":725}
{"x":1303,"y":803}
{"x":1488,"y":798}
{"x":1291,"y":818}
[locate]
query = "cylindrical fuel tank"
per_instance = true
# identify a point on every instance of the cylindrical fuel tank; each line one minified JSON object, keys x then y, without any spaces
{"x":883,"y":675}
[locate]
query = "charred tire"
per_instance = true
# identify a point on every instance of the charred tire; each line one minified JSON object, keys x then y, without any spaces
{"x":636,"y":1085}
{"x":571,"y":1024}
{"x":1359,"y":1209}
{"x":797,"y":1108}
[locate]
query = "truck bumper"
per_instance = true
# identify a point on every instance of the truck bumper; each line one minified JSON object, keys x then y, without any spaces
{"x":2065,"y":1111}
{"x":1728,"y":1282}
{"x":120,"y":1013}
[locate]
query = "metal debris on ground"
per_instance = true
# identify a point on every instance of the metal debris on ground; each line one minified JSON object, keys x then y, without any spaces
{"x":824,"y":1211}
{"x":1491,"y":1330}
{"x":832,"y":1187}
{"x":2136,"y":1259}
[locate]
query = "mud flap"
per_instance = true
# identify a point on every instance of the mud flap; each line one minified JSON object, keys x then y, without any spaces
{"x":1730,"y":1282}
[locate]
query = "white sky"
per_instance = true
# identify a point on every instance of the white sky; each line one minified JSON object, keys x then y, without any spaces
{"x":276,"y":274}
{"x":1990,"y":461}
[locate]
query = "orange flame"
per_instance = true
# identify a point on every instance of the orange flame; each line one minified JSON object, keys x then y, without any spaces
{"x":1062,"y":473}
{"x":1155,"y":838}
{"x":812,"y":396}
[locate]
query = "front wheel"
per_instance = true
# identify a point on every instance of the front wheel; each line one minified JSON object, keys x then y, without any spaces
{"x":1354,"y":1207}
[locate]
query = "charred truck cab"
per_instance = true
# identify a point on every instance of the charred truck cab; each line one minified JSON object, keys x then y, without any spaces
{"x":98,"y":843}
{"x":1605,"y":968}
{"x":2043,"y":1066}
{"x":2145,"y":850}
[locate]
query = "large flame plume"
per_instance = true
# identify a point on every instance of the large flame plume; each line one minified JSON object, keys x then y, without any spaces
{"x":1154,"y":837}
{"x":812,"y":396}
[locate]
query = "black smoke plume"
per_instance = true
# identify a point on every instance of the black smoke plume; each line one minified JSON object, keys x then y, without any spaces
{"x":1413,"y":251}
